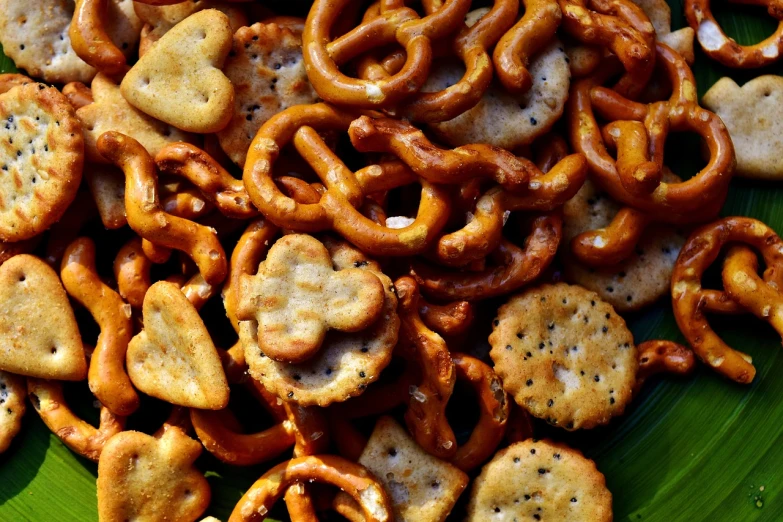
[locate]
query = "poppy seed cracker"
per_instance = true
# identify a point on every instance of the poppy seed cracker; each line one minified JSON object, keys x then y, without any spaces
{"x":564,"y":355}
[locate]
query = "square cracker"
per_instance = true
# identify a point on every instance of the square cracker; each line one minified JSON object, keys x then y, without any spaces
{"x":422,"y":488}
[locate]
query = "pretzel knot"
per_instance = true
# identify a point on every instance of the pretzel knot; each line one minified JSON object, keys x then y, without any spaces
{"x":690,"y":300}
{"x":720,"y":47}
{"x":396,"y":24}
{"x":351,"y":478}
{"x":297,"y":283}
{"x":661,"y":356}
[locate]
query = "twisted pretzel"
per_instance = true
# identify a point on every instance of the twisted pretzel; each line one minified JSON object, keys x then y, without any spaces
{"x":132,"y":272}
{"x":82,"y":438}
{"x":725,"y":50}
{"x":78,"y":94}
{"x":426,"y":414}
{"x":612,"y":244}
{"x":90,"y":40}
{"x":344,"y":474}
{"x":396,"y":23}
{"x":527,"y":37}
{"x":107,"y":377}
{"x":448,"y":319}
{"x":662,"y":356}
{"x":701,"y":249}
{"x":147,"y":219}
{"x":744,"y":286}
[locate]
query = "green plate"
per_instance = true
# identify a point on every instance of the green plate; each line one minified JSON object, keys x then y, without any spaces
{"x":701,"y":449}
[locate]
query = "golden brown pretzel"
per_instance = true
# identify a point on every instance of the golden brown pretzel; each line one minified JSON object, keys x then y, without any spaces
{"x":701,"y":249}
{"x":147,"y":219}
{"x":90,"y":40}
{"x":749,"y":290}
{"x":107,"y":377}
{"x":612,"y":244}
{"x":344,"y":474}
{"x":86,"y":440}
{"x":661,"y":356}
{"x":448,"y":319}
{"x":526,"y":38}
{"x":78,"y":94}
{"x":132,"y":272}
{"x":638,"y":174}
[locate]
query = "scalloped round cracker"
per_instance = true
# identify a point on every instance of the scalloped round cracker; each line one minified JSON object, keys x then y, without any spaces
{"x":564,"y":355}
{"x":540,"y":481}
{"x":41,"y":158}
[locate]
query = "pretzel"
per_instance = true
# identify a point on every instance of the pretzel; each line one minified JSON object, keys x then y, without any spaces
{"x":147,"y":219}
{"x":215,"y":183}
{"x":638,"y":175}
{"x":725,"y":50}
{"x":515,"y":268}
{"x":526,"y":38}
{"x":619,"y":25}
{"x":701,"y":249}
{"x":396,"y":23}
{"x":132,"y":272}
{"x":426,"y":414}
{"x":448,"y":319}
{"x":612,"y":244}
{"x":662,"y":356}
{"x":107,"y":377}
{"x":78,"y":94}
{"x":744,"y":286}
{"x":90,"y":40}
{"x":549,"y":188}
{"x":82,"y":438}
{"x":344,"y":474}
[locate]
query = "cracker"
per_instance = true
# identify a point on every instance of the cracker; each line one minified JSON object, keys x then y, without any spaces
{"x":143,"y":478}
{"x":35,"y":36}
{"x":346,"y":362}
{"x":41,"y":158}
{"x":638,"y":281}
{"x":159,"y":19}
{"x":540,"y":480}
{"x":12,"y":407}
{"x":268,"y":73}
{"x":660,"y":15}
{"x":110,"y":112}
{"x":504,"y":120}
{"x":753,"y":114}
{"x":297,"y":285}
{"x":107,"y":186}
{"x":39,"y":336}
{"x":179,"y":81}
{"x":422,"y":488}
{"x":564,"y":355}
{"x":173,"y":357}
{"x":10,"y":80}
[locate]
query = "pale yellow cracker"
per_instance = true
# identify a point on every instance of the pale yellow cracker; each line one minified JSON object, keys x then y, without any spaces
{"x":660,"y":15}
{"x":504,"y":120}
{"x":422,"y":488}
{"x":753,"y":114}
{"x":110,"y":112}
{"x":173,"y":358}
{"x":148,"y":479}
{"x":268,"y":74}
{"x":540,"y":481}
{"x":346,"y":363}
{"x":12,"y":407}
{"x":41,"y":158}
{"x":39,"y":336}
{"x":564,"y":355}
{"x":35,"y":35}
{"x":179,"y":79}
{"x":638,"y":281}
{"x":107,"y":186}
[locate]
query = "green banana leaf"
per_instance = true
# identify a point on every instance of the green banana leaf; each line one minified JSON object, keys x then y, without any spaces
{"x":697,"y":449}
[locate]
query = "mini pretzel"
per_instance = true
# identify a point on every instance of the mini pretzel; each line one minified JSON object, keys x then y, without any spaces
{"x":132,"y":272}
{"x":448,"y":319}
{"x":743,"y":285}
{"x":147,"y":219}
{"x":638,"y":174}
{"x":612,"y":244}
{"x":227,"y":193}
{"x":78,"y":94}
{"x":662,"y":356}
{"x":701,"y":249}
{"x":396,"y":23}
{"x":720,"y":47}
{"x":90,"y":40}
{"x":107,"y":377}
{"x":426,"y":414}
{"x":344,"y":474}
{"x":515,"y":268}
{"x":82,"y":438}
{"x":530,"y":34}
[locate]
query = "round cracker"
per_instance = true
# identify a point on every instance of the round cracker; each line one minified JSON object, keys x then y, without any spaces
{"x":540,"y":480}
{"x":12,"y":407}
{"x":41,"y":158}
{"x":346,"y":362}
{"x":502,"y":119}
{"x":268,"y":73}
{"x":638,"y":281}
{"x":564,"y":355}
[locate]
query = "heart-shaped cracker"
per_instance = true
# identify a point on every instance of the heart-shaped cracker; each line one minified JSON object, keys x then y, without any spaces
{"x":39,"y":336}
{"x":297,"y":296}
{"x":173,"y":357}
{"x":141,"y":477}
{"x":179,"y":80}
